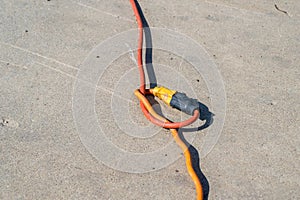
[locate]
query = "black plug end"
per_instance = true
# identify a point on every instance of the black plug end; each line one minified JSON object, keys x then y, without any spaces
{"x":183,"y":103}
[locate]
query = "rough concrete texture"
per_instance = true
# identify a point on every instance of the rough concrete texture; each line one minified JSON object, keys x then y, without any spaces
{"x":255,"y":46}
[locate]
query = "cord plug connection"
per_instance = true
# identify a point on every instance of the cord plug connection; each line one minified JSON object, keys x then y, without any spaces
{"x":176,"y":99}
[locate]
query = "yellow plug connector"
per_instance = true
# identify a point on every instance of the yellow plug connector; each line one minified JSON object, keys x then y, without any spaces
{"x":163,"y":94}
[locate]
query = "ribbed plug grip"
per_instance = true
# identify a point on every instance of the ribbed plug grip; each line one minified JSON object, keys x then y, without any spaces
{"x":182,"y":102}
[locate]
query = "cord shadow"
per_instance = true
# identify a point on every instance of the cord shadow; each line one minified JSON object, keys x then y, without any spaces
{"x":149,"y":50}
{"x":155,"y":105}
{"x":206,"y":115}
{"x":196,"y":165}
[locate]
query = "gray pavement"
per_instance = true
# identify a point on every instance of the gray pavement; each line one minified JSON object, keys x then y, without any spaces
{"x":43,"y":45}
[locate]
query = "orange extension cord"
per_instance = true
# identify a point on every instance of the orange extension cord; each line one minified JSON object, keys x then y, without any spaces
{"x":156,"y":118}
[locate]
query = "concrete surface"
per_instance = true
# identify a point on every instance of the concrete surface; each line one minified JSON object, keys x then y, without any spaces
{"x":256,"y":48}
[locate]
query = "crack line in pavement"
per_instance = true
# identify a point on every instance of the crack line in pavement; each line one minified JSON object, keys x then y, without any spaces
{"x":39,"y":55}
{"x":234,"y":7}
{"x":13,"y":64}
{"x":104,"y":12}
{"x":90,"y":84}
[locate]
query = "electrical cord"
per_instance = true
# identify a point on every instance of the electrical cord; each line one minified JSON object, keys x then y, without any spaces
{"x":172,"y":98}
